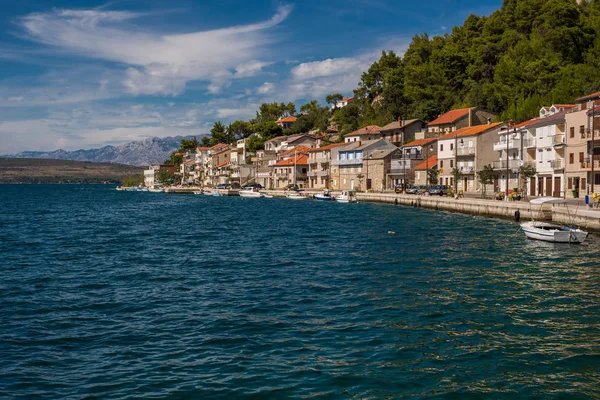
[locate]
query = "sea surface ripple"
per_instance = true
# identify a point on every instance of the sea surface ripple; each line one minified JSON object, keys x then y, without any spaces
{"x":107,"y":294}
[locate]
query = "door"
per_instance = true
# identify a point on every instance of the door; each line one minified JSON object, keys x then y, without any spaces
{"x":368,"y":184}
{"x":496,"y":187}
{"x":532,"y":187}
{"x":465,"y":184}
{"x":548,"y":186}
{"x":556,"y":192}
{"x":540,"y":190}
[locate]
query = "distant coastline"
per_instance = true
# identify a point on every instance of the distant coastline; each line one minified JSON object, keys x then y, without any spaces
{"x":41,"y":171}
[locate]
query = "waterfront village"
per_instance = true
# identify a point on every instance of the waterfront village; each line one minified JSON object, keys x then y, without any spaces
{"x":554,"y":154}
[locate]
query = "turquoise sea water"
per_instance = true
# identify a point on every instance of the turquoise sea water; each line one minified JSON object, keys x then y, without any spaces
{"x":107,"y":294}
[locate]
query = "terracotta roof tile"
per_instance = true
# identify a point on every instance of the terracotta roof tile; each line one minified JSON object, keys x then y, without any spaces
{"x":367,"y":130}
{"x":223,"y":164}
{"x":470,"y":131}
{"x":290,"y":118}
{"x":451,"y":116}
{"x":296,"y":150}
{"x":298,"y":160}
{"x":328,"y":147}
{"x":431,"y":162}
{"x":420,"y":142}
{"x":587,"y":97}
{"x":397,"y":124}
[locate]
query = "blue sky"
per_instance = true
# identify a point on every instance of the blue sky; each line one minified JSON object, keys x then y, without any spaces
{"x":81,"y":74}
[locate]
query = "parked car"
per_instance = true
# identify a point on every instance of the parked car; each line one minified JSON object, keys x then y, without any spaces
{"x":291,"y":186}
{"x":419,"y":189}
{"x":440,"y":190}
{"x":252,"y":185}
{"x":400,"y":187}
{"x":223,"y":186}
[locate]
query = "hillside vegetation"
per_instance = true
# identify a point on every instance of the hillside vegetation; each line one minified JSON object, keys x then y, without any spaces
{"x":22,"y":170}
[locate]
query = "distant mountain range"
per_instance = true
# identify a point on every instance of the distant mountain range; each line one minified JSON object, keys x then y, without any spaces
{"x":144,"y":152}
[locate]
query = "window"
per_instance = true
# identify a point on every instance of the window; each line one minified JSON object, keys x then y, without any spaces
{"x":581,"y":157}
{"x":596,"y":179}
{"x":441,"y":147}
{"x":572,"y":133}
{"x":571,"y":158}
{"x":583,"y":185}
{"x":441,"y":164}
{"x":451,"y":146}
{"x":570,"y":182}
{"x":451,"y":162}
{"x":303,"y":170}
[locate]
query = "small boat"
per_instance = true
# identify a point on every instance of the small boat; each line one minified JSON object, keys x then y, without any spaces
{"x":325,"y":196}
{"x":296,"y":196}
{"x":198,"y":192}
{"x":217,"y":194}
{"x":130,"y":189}
{"x":142,"y":189}
{"x":347,"y":196}
{"x":120,"y":188}
{"x":250,"y":192}
{"x":154,"y":189}
{"x":266,"y":195}
{"x":551,"y":232}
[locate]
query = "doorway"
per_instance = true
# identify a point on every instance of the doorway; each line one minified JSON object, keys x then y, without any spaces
{"x":557,"y":190}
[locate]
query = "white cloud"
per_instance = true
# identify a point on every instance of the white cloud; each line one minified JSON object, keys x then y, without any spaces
{"x":265,"y":88}
{"x":158,"y":63}
{"x":316,"y":79}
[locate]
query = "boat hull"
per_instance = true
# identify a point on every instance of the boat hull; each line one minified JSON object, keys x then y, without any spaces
{"x":297,"y":197}
{"x":553,"y":233}
{"x":321,"y":197}
{"x":250,"y":194}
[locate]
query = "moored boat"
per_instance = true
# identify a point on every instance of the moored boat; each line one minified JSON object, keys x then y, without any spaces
{"x":347,"y":196}
{"x":250,"y":192}
{"x":296,"y":196}
{"x":325,"y":196}
{"x":551,"y":232}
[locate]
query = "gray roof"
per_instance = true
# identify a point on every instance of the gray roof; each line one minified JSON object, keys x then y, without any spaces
{"x":379,"y":154}
{"x":396,"y":124}
{"x":550,"y":120}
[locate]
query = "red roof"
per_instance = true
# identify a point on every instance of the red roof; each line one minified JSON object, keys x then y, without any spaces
{"x":328,"y":147}
{"x":297,"y":150}
{"x":223,"y":164}
{"x":298,"y":160}
{"x":451,"y":116}
{"x":430,"y":163}
{"x":218,"y":146}
{"x":525,"y":123}
{"x":367,"y":130}
{"x":588,"y":97}
{"x":202,"y":148}
{"x":470,"y":131}
{"x":567,"y":106}
{"x":347,"y":98}
{"x":420,"y":142}
{"x":290,"y":118}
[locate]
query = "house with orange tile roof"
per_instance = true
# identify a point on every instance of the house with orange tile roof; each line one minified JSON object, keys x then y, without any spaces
{"x":581,"y":123}
{"x":286,"y":122}
{"x":402,"y":169}
{"x":304,"y":150}
{"x":459,"y":118}
{"x":342,"y":103}
{"x":402,"y":131}
{"x":319,"y":166}
{"x":220,"y":158}
{"x":369,"y":132}
{"x":291,"y":170}
{"x":348,"y":164}
{"x":421,"y":170}
{"x":467,"y":149}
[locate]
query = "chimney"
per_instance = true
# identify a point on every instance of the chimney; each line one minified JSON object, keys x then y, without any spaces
{"x":469,"y":117}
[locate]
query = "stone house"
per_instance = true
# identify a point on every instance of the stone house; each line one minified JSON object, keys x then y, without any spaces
{"x":286,"y":122}
{"x":366,"y":133}
{"x":460,"y":118}
{"x":319,"y":166}
{"x":467,"y":149}
{"x":402,"y":131}
{"x":289,"y":171}
{"x":421,"y":170}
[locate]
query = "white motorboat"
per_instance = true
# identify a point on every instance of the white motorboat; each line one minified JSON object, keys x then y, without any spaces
{"x":216,"y":193}
{"x":325,"y":196}
{"x":250,"y":192}
{"x":120,"y":188}
{"x":347,"y":196}
{"x":296,"y":196}
{"x":551,"y":232}
{"x":155,"y":189}
{"x":266,"y":195}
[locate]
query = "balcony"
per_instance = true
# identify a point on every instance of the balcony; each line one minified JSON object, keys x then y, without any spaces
{"x":529,"y":143}
{"x":312,"y":174}
{"x":512,"y":144}
{"x":465,"y":151}
{"x":353,"y":161}
{"x":466,"y":169}
{"x":558,"y":140}
{"x":319,"y":159}
{"x":512,"y":164}
{"x":557,"y":164}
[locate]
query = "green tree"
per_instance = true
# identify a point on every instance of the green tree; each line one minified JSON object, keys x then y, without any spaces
{"x":163,"y":175}
{"x":241,"y":129}
{"x":188,"y":144}
{"x":218,"y":134}
{"x":268,"y":130}
{"x":486,"y":177}
{"x":255,"y":143}
{"x":205,"y":141}
{"x":432,"y":175}
{"x":332,"y":99}
{"x":527,"y":172}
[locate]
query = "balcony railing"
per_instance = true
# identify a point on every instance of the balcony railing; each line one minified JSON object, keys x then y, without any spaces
{"x":512,"y":164}
{"x":557,"y":164}
{"x":512,"y":144}
{"x":313,"y":174}
{"x":466,"y":169}
{"x":558,"y":140}
{"x":465,"y":151}
{"x":319,"y":159}
{"x":528,"y":143}
{"x":354,"y":161}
